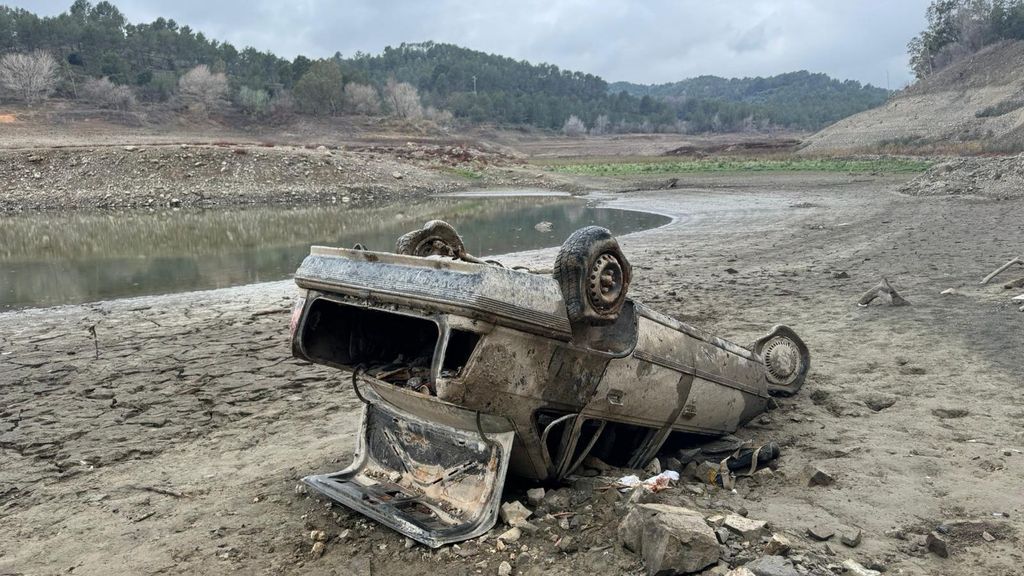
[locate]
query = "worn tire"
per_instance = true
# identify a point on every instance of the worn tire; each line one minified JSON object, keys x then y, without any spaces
{"x":593,"y":275}
{"x":421,"y":242}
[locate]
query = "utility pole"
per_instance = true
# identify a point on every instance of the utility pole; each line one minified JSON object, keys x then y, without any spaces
{"x":474,"y":85}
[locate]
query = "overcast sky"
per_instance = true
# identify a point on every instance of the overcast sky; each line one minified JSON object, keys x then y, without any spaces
{"x":649,"y":41}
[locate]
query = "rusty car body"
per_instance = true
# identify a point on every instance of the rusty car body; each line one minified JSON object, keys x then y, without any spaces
{"x":469,"y":370}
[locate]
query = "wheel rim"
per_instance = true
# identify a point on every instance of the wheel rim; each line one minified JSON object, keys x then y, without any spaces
{"x":782,"y":361}
{"x":604,"y":286}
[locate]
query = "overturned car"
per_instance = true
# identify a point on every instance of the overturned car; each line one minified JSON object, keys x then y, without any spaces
{"x":469,"y":370}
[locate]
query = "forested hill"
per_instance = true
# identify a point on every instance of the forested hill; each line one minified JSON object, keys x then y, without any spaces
{"x":98,"y":55}
{"x":795,"y":99}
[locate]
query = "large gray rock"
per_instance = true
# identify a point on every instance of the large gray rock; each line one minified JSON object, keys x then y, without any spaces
{"x":670,"y":539}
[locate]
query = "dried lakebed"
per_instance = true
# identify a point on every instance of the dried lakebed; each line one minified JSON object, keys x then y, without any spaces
{"x":172,"y":442}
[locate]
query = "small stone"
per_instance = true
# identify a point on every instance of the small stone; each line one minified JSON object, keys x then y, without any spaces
{"x":504,"y":569}
{"x":731,"y":271}
{"x":988,"y":537}
{"x":841,"y":275}
{"x":499,"y":545}
{"x":878,"y":401}
{"x":318,"y":549}
{"x":567,"y":545}
{"x":818,"y":477}
{"x":723,"y":535}
{"x":851,"y":538}
{"x":716,"y":520}
{"x":853,"y":567}
{"x":511,"y":535}
{"x":749,"y":530}
{"x":820,"y":533}
{"x":514,"y":513}
{"x":949,"y":292}
{"x":318,"y":536}
{"x":740,"y":571}
{"x":937,"y":544}
{"x":778,"y":545}
{"x":534,"y":496}
{"x":396,"y":175}
{"x":409,"y":543}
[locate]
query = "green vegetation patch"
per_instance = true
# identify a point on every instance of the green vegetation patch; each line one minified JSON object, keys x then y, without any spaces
{"x":887,"y":165}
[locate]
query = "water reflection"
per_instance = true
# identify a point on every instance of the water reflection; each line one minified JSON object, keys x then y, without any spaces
{"x":58,"y":259}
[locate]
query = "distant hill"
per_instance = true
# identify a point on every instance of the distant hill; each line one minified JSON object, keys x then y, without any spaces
{"x":975,"y":104}
{"x":799,"y":100}
{"x":145,"y":61}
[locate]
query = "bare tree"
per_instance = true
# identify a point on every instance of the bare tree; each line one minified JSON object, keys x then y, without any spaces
{"x":362,"y":99}
{"x":203,"y":90}
{"x":105,"y":94}
{"x":574,"y":127}
{"x":442,"y":118}
{"x":31,"y":77}
{"x":404,"y":100}
{"x":600,"y":126}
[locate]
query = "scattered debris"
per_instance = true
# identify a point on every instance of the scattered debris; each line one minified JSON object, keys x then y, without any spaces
{"x":654,"y":483}
{"x":882,"y":289}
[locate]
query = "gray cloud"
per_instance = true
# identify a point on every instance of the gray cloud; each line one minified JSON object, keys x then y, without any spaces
{"x":649,"y":41}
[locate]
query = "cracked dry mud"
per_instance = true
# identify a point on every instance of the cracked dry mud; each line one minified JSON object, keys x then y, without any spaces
{"x":179,"y":449}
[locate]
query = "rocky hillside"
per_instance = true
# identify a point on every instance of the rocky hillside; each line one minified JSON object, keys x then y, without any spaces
{"x":974,"y":105}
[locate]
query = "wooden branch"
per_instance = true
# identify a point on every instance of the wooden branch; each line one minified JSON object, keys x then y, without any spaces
{"x":1001,"y":269}
{"x":883,"y":289}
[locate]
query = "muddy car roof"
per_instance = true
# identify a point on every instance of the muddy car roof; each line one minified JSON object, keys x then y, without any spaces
{"x":513,"y":298}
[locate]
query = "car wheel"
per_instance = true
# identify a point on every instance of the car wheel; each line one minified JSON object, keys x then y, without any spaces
{"x":436,"y":238}
{"x":594,"y":276}
{"x":786,"y":360}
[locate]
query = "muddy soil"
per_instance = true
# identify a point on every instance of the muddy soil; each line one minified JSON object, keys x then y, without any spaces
{"x":173,"y":440}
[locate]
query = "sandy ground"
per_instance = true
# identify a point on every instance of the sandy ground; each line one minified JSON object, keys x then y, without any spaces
{"x":173,"y":441}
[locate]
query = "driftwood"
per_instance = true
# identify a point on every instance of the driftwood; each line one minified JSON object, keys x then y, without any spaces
{"x":883,"y":289}
{"x":1001,"y":269}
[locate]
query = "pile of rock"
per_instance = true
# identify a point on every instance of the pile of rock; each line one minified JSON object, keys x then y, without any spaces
{"x":1001,"y":178}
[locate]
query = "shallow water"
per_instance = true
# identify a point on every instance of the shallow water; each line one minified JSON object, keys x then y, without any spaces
{"x":48,"y":260}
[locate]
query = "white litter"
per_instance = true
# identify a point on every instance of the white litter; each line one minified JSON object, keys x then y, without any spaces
{"x":654,"y":483}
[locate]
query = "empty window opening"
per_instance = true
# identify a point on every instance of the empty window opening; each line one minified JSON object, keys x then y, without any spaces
{"x":392,"y":347}
{"x":460,"y":347}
